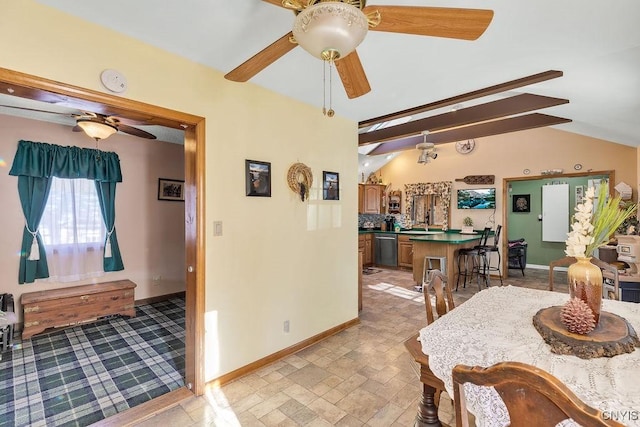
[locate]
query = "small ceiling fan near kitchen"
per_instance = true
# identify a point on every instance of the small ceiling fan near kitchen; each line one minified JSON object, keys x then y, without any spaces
{"x":331,"y":30}
{"x":97,"y":126}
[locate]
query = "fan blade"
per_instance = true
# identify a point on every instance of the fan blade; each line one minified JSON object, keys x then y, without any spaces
{"x":135,"y":131}
{"x":262,"y":59}
{"x":352,"y":75}
{"x":465,"y":24}
{"x":36,"y":110}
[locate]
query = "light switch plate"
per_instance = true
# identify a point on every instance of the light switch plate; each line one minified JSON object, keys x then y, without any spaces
{"x":217,"y":228}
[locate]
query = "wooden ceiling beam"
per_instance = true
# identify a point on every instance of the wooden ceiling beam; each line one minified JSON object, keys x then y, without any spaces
{"x":491,"y":90}
{"x":479,"y":113}
{"x":496,"y":127}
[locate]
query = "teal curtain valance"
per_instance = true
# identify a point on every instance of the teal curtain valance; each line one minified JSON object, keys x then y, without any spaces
{"x":42,"y":160}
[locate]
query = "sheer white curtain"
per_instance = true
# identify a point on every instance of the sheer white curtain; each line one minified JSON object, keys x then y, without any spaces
{"x":73,"y":231}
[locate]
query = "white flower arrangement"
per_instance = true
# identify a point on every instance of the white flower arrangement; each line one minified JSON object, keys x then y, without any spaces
{"x":593,"y":227}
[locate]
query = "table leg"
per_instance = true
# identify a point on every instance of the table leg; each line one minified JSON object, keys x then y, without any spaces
{"x":427,"y":409}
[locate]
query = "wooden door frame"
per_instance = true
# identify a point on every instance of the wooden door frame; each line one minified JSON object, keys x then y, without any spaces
{"x":38,"y":88}
{"x":504,"y":245}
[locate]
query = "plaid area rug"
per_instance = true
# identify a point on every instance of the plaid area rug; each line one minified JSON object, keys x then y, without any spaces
{"x":81,"y":375}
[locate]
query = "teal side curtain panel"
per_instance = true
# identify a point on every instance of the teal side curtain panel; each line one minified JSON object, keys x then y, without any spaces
{"x":112,"y":260}
{"x":34,"y":164}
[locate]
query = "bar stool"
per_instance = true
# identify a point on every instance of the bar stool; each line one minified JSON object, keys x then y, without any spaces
{"x":474,"y":261}
{"x":429,"y":264}
{"x":489,"y":249}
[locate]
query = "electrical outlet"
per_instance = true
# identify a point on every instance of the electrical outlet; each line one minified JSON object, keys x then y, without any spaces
{"x":286,"y":326}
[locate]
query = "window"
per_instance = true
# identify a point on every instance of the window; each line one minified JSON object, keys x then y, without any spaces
{"x":73,"y":230}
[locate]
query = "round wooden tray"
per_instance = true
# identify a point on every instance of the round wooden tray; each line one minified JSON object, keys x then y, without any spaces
{"x":613,"y":335}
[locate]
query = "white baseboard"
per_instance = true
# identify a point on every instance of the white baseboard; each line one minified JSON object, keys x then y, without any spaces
{"x":545,"y":267}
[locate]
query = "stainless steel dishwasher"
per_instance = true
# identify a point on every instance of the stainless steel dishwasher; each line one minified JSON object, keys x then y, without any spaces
{"x":386,"y":249}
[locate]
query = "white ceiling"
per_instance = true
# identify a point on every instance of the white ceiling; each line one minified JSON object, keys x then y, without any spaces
{"x":595,"y":43}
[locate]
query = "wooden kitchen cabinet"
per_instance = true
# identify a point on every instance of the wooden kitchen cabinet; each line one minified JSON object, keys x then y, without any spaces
{"x":370,"y":198}
{"x":405,"y":251}
{"x":365,"y":245}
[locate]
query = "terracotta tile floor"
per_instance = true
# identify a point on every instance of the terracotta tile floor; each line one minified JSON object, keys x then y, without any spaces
{"x":360,"y":377}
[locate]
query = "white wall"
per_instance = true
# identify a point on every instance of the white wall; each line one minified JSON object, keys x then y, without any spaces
{"x":279,"y":258}
{"x":506,"y":156}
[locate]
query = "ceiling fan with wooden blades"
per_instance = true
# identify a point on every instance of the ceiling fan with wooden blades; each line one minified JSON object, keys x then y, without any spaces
{"x":332,"y":29}
{"x":96,"y":125}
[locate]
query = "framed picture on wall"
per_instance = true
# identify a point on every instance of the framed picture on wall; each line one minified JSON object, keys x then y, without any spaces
{"x":521,"y":203}
{"x":258,"y":178}
{"x":579,"y":194}
{"x":330,"y":185}
{"x":170,"y":189}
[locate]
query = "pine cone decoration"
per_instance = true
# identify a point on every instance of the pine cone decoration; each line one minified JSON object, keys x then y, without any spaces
{"x":577,"y":317}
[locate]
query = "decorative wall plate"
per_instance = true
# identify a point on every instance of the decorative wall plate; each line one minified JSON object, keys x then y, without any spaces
{"x":465,"y":147}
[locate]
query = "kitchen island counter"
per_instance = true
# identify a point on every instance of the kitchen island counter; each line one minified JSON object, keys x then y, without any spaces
{"x":440,"y":245}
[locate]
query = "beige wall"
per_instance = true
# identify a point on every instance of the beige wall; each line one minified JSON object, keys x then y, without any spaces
{"x":506,"y":156}
{"x":150,"y":232}
{"x":279,"y":258}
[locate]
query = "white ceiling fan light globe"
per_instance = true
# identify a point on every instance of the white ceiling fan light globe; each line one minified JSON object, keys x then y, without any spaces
{"x":326,"y":28}
{"x":96,"y":129}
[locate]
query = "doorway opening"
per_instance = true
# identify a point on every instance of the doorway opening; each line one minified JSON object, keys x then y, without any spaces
{"x":40,"y":89}
{"x":529,"y":221}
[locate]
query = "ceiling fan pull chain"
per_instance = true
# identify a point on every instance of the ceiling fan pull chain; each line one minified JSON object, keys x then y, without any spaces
{"x":324,"y":88}
{"x":330,"y":112}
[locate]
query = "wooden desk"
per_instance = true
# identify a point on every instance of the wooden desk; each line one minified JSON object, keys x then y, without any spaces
{"x":444,"y":244}
{"x":507,"y":333}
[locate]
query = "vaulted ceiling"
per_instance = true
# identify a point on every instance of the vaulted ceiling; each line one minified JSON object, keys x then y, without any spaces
{"x":595,"y":44}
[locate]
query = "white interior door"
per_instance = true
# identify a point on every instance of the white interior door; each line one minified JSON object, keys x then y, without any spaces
{"x":555,"y":212}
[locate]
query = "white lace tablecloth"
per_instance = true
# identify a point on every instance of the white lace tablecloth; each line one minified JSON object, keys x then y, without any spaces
{"x":496,"y":325}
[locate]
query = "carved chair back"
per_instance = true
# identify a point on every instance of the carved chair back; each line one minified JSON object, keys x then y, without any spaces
{"x":532,"y":396}
{"x":436,"y":288}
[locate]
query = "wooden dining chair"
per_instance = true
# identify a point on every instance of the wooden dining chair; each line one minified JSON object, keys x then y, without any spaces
{"x":437,"y":295}
{"x":609,"y":271}
{"x":532,"y":396}
{"x":562,"y":262}
{"x":438,"y":298}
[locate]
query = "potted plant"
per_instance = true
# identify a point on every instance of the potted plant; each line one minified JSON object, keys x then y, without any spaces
{"x":467,"y":225}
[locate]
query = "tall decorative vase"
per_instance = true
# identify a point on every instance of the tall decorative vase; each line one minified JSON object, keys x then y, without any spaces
{"x":585,"y":282}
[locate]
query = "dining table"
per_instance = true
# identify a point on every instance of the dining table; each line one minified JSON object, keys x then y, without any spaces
{"x":496,"y":325}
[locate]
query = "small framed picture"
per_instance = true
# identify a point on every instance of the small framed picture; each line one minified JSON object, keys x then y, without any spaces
{"x":521,"y":203}
{"x":258,"y":178}
{"x":579,"y":194}
{"x":330,"y":186}
{"x":171,"y":190}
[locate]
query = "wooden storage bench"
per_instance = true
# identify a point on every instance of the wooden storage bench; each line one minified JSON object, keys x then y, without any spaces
{"x":76,"y":304}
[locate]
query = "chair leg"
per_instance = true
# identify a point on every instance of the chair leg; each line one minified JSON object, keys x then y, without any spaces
{"x":436,"y":397}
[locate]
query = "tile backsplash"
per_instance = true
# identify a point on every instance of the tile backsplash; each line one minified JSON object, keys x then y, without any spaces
{"x":376,"y":219}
